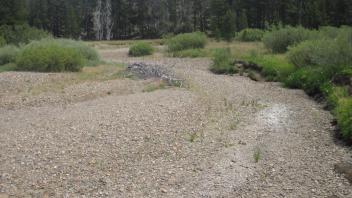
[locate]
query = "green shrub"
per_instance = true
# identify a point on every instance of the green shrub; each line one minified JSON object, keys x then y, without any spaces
{"x":49,"y":55}
{"x":344,"y":46}
{"x":223,"y":62}
{"x":300,"y":55}
{"x":333,"y":94}
{"x":329,"y":32}
{"x":140,"y":49}
{"x":192,"y":53}
{"x":8,"y":67}
{"x":273,"y":67}
{"x":89,"y":54}
{"x":296,"y":79}
{"x":8,"y":54}
{"x":2,"y":41}
{"x":22,"y":34}
{"x":250,"y":35}
{"x":343,"y":114}
{"x":309,"y":79}
{"x":279,"y":40}
{"x":186,"y":41}
{"x":166,"y":37}
{"x":330,"y":53}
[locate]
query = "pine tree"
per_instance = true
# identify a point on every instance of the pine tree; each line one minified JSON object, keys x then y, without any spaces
{"x":242,"y":20}
{"x":72,"y":29}
{"x":12,"y":12}
{"x":229,"y":26}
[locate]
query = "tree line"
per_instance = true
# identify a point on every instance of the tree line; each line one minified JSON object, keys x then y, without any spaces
{"x":126,"y":19}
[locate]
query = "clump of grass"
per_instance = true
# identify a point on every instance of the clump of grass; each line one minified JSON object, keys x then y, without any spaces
{"x":233,"y":126}
{"x":193,"y":137}
{"x":8,"y":54}
{"x":250,"y":34}
{"x":223,"y":62}
{"x":141,"y":49}
{"x":257,"y":155}
{"x":195,"y":40}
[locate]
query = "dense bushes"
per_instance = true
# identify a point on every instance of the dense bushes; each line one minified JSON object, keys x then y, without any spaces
{"x":223,"y":62}
{"x":89,"y":54}
{"x":140,"y":49}
{"x":8,"y":54}
{"x":2,"y":41}
{"x":333,"y":53}
{"x":343,"y":115}
{"x":333,"y":94}
{"x":186,"y":41}
{"x":21,"y":34}
{"x":54,"y":56}
{"x":279,"y":40}
{"x":250,"y":35}
{"x":309,"y":79}
{"x":273,"y":68}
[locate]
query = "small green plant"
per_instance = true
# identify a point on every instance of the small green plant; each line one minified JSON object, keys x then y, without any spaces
{"x":223,"y":62}
{"x":141,"y":49}
{"x":195,"y":40}
{"x":257,"y":155}
{"x":279,"y":40}
{"x":343,"y":114}
{"x":8,"y":54}
{"x":193,"y":137}
{"x":233,"y":126}
{"x":249,"y":34}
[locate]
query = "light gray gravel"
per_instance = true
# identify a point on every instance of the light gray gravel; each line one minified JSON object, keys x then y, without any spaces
{"x":196,"y":142}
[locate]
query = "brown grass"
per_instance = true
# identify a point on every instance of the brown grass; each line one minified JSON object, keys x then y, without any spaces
{"x":99,"y":73}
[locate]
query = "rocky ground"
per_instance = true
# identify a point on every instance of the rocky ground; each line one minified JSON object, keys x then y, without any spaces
{"x":217,"y":136}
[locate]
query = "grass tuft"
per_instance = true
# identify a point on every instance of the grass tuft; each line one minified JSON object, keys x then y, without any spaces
{"x":140,"y":49}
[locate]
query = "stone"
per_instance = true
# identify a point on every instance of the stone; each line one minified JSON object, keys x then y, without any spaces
{"x":345,"y":169}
